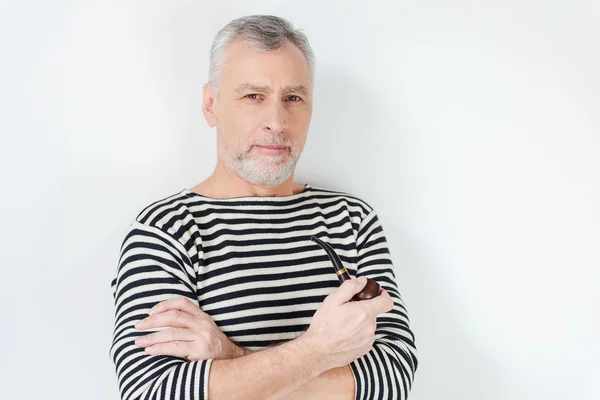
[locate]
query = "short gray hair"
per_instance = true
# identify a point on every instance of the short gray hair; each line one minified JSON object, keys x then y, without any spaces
{"x":261,"y":33}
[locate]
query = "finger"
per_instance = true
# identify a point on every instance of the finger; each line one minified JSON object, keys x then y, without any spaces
{"x":177,"y":349}
{"x":180,"y":303}
{"x":380,"y":304}
{"x":346,"y":291}
{"x":164,"y":336}
{"x":172,"y":318}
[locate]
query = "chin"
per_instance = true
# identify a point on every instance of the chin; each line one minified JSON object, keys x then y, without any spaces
{"x":266,"y":174}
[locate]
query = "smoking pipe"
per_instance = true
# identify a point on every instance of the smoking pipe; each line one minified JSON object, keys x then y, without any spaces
{"x":370,"y":290}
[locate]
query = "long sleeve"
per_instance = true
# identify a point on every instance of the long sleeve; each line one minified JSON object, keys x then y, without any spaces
{"x":153,"y":267}
{"x":387,"y":371}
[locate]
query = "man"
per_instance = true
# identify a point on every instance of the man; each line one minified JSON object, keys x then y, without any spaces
{"x":220,"y":294}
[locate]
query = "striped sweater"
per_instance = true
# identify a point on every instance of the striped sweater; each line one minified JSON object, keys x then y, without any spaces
{"x":249,"y":263}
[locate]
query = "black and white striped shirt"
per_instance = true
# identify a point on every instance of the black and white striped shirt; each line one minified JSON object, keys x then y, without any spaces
{"x":249,"y":263}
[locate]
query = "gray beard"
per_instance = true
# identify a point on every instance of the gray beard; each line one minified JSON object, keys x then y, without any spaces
{"x":268,"y":171}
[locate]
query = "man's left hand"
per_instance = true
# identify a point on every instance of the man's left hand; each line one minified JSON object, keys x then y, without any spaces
{"x":190,"y":333}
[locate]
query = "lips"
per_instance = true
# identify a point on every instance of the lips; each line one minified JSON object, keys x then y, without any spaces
{"x":272,"y":150}
{"x":276,"y":147}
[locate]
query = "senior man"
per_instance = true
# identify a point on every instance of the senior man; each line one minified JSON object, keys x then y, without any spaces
{"x":219,"y":292}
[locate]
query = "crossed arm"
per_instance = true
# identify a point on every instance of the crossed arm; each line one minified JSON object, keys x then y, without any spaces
{"x":154,"y":266}
{"x":289,"y":371}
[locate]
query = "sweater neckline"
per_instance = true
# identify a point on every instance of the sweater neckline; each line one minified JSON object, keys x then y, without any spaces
{"x":306,"y":189}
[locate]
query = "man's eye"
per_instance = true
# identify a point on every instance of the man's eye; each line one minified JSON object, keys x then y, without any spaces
{"x":294,"y":98}
{"x":253,"y":96}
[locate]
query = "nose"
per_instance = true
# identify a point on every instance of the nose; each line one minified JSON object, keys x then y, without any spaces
{"x":276,"y":118}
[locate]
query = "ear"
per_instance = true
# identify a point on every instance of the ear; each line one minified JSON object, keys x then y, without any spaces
{"x":208,"y":105}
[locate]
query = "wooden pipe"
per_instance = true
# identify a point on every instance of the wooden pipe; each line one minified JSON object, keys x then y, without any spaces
{"x":371,"y":289}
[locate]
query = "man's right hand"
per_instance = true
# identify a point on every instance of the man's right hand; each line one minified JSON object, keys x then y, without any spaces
{"x":342,"y":330}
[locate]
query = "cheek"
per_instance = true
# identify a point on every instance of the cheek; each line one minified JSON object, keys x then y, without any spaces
{"x":298,"y":128}
{"x":238,"y":129}
{"x":300,"y":118}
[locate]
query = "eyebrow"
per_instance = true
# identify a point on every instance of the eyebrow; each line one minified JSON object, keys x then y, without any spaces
{"x":266,"y":89}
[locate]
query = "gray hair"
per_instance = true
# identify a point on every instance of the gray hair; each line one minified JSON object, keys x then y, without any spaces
{"x":261,"y":33}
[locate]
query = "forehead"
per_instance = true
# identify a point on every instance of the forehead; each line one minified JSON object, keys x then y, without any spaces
{"x":285,"y":66}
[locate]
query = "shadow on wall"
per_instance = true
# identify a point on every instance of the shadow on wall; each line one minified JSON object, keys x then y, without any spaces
{"x":338,"y":133}
{"x":449,"y":361}
{"x":355,"y":143}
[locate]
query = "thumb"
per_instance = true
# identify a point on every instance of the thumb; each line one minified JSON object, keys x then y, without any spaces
{"x":347,"y":290}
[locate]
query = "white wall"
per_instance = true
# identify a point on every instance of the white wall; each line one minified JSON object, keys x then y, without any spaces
{"x":473,"y":127}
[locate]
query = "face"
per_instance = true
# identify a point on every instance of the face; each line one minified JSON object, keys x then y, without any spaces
{"x":262,"y":112}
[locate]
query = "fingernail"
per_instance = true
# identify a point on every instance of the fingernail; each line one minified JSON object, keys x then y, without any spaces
{"x":149,"y":350}
{"x":139,"y":324}
{"x":153,"y":310}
